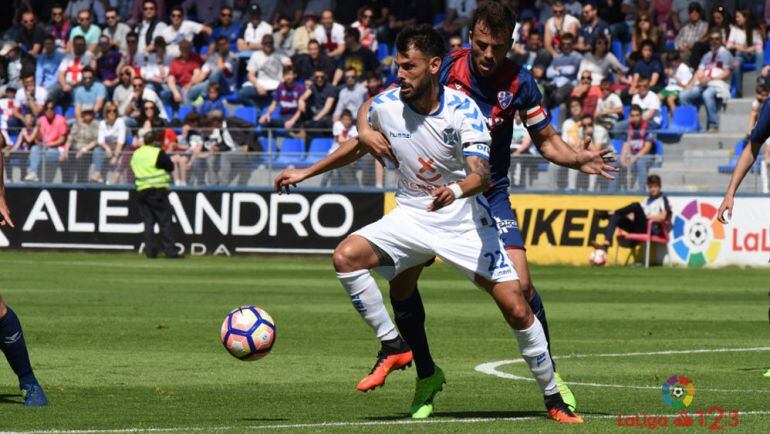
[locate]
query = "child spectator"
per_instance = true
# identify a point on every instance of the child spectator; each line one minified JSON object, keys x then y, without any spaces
{"x":609,"y":108}
{"x":190,"y":141}
{"x":26,"y":140}
{"x":635,"y":156}
{"x":678,"y":75}
{"x":344,"y":129}
{"x":287,"y":100}
{"x":7,"y":105}
{"x":647,"y":67}
{"x":213,"y":101}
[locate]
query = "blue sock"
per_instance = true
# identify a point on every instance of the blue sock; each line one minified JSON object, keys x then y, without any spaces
{"x":536,"y":304}
{"x":15,"y":350}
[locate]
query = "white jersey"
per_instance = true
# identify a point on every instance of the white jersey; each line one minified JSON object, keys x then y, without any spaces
{"x":431,"y":151}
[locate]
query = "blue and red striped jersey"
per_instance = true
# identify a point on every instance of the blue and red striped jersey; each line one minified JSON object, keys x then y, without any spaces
{"x":499,"y":97}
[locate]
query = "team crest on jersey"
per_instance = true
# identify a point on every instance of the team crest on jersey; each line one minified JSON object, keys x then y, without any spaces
{"x":504,"y":98}
{"x":451,"y":137}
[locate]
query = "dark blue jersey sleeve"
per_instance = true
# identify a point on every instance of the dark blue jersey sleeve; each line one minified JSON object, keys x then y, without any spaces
{"x":446,"y":66}
{"x":761,"y":130}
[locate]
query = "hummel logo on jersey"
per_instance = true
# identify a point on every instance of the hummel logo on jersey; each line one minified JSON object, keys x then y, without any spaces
{"x":12,"y":338}
{"x":399,"y":135}
{"x":504,"y":98}
{"x":458,"y":86}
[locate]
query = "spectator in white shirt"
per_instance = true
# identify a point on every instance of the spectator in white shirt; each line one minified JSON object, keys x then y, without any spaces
{"x":30,"y":98}
{"x":252,"y":33}
{"x":221,"y":67}
{"x":365,"y":26}
{"x":559,"y":24}
{"x":156,"y":66}
{"x":150,"y":27}
{"x":116,"y":30}
{"x":678,"y":75}
{"x":265,"y":72}
{"x":109,"y":142}
{"x":745,"y":43}
{"x":609,"y":107}
{"x":71,"y":71}
{"x":180,"y":30}
{"x":330,"y":35}
{"x":283,"y":38}
{"x":650,"y":105}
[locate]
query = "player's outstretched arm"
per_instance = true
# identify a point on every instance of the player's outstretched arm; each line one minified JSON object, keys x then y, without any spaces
{"x":557,"y":151}
{"x":372,"y":140}
{"x":745,"y":161}
{"x":5,"y":213}
{"x":476,"y":182}
{"x":347,"y":153}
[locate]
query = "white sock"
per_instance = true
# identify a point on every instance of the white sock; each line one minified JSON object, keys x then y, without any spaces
{"x":367,"y":299}
{"x":534,"y":349}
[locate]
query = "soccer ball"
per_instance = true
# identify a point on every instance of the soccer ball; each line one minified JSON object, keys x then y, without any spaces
{"x":598,"y":258}
{"x":248,"y":333}
{"x":678,"y":392}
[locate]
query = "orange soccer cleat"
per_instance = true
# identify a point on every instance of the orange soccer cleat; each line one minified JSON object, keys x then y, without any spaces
{"x":562,"y":414}
{"x":386,"y":363}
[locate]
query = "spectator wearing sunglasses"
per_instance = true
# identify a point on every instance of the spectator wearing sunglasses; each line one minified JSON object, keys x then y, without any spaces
{"x":365,"y":26}
{"x":87,"y":29}
{"x":181,"y":29}
{"x":227,"y":28}
{"x":59,"y":28}
{"x":250,"y":37}
{"x":150,"y":27}
{"x":29,"y":34}
{"x":116,"y":30}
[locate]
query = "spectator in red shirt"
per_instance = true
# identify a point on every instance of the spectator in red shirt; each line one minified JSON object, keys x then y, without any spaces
{"x":180,"y":75}
{"x":589,"y":95}
{"x":52,"y":135}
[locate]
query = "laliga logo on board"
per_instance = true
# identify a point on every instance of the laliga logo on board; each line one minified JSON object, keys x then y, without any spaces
{"x":698,"y":235}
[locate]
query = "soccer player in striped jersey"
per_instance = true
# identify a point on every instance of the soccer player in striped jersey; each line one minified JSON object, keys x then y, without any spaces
{"x":500,"y":88}
{"x":11,"y":337}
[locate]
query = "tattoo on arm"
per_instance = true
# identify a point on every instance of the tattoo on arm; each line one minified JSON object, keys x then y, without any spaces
{"x":481,"y":168}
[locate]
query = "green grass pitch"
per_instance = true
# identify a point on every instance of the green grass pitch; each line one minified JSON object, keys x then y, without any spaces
{"x":123,"y":343}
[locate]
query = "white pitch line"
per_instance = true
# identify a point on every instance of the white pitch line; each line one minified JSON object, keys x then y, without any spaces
{"x":352,"y":424}
{"x":490,"y":368}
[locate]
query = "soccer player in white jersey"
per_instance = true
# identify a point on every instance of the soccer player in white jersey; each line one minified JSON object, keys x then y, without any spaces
{"x":443,"y":156}
{"x":11,"y":336}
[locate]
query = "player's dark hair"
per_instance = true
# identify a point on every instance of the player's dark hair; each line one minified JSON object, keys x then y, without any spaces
{"x":654,"y":180}
{"x":636,"y":108}
{"x":496,"y":17}
{"x":421,"y":37}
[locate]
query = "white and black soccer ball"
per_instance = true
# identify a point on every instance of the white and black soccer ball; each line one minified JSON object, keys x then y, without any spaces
{"x":678,"y":392}
{"x":598,"y":258}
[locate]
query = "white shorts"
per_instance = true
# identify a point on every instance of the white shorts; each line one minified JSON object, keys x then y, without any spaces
{"x":410,"y":242}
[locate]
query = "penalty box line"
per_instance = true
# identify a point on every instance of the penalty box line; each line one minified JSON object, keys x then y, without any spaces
{"x":351,"y":424}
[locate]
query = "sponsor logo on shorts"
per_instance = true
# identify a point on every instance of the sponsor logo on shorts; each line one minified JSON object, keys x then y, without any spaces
{"x":12,"y":339}
{"x":503,"y":226}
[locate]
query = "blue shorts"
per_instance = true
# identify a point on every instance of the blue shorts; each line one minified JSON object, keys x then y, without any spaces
{"x":507,"y":225}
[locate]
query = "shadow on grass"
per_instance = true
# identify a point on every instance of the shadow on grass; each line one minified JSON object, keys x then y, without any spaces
{"x":480,"y":414}
{"x":11,"y":399}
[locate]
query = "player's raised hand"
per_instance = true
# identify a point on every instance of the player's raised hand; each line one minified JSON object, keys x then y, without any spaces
{"x":377,"y":145}
{"x":289,"y":178}
{"x":5,"y":213}
{"x":595,"y":162}
{"x":727,"y":205}
{"x":443,"y":196}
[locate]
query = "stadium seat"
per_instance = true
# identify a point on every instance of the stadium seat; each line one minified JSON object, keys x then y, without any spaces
{"x":684,"y":120}
{"x":617,"y":145}
{"x":657,"y":150}
{"x":555,"y":118}
{"x":383,"y":51}
{"x":184,"y":111}
{"x":169,"y":111}
{"x":248,"y":114}
{"x":663,"y":117}
{"x":292,"y":153}
{"x":70,"y":112}
{"x":737,"y":151}
{"x":129,"y":140}
{"x":270,"y":149}
{"x":626,"y":111}
{"x":648,"y":238}
{"x":319,"y":148}
{"x":767,"y":52}
{"x":617,"y":50}
{"x":438,"y":19}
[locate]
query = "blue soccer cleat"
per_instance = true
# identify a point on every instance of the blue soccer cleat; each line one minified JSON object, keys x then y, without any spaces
{"x":34,"y":396}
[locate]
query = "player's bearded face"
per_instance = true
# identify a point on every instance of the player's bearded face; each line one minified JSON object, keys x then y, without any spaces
{"x":416,"y":72}
{"x":487,"y":50}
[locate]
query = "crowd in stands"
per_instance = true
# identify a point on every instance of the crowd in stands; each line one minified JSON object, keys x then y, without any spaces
{"x":82,"y":80}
